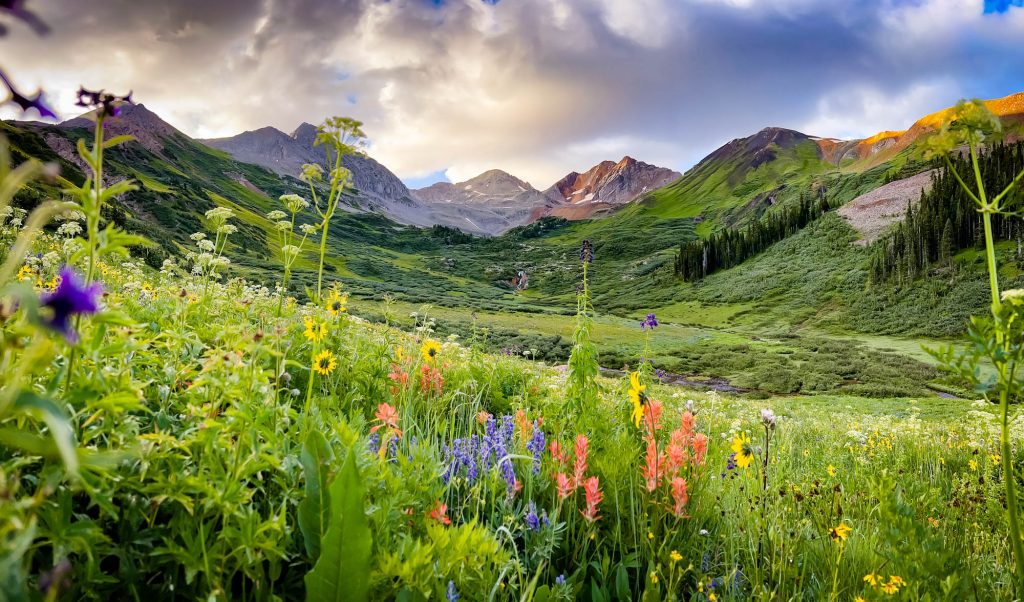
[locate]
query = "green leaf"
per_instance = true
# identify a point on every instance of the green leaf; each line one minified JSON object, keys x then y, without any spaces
{"x":313,"y":517}
{"x":85,"y":153}
{"x":111,"y":142}
{"x":60,"y":427}
{"x":343,"y":571}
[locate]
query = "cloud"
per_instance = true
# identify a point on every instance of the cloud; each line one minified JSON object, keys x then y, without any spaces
{"x":535,"y":87}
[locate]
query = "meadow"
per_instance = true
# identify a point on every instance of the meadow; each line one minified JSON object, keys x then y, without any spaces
{"x":180,"y":432}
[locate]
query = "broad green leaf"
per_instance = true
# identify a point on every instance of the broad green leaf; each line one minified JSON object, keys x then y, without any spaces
{"x":314,"y":509}
{"x":60,"y":428}
{"x":342,"y":573}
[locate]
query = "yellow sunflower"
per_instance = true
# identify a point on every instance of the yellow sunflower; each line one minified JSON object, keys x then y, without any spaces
{"x":840,"y":532}
{"x":430,"y":350}
{"x":316,"y":330}
{"x":336,"y":303}
{"x":637,"y":397}
{"x":325,"y":362}
{"x":744,"y":452}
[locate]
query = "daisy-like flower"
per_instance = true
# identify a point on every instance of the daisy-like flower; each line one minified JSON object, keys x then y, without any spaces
{"x":840,"y":532}
{"x":638,"y":397}
{"x":336,"y":303}
{"x":743,"y":450}
{"x":832,"y":470}
{"x":316,"y":330}
{"x":430,"y":349}
{"x":325,"y":363}
{"x":675,"y":556}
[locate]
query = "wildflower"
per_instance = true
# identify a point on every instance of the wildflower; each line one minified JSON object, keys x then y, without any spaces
{"x":679,"y":495}
{"x":440,"y":514}
{"x":325,"y":363}
{"x":649,"y":322}
{"x":430,"y":349}
{"x":564,"y":485}
{"x":483,"y":416}
{"x":387,"y":415}
{"x":560,"y":580}
{"x":532,"y":520}
{"x":768,"y":418}
{"x":591,"y":487}
{"x":536,"y":446}
{"x":743,"y":451}
{"x":832,"y":470}
{"x":431,"y":380}
{"x":995,"y":458}
{"x":654,"y":577}
{"x":840,"y":532}
{"x":316,"y":330}
{"x":311,"y":172}
{"x":637,"y":397}
{"x":26,"y":274}
{"x":294,"y":202}
{"x":700,"y":448}
{"x":586,"y":252}
{"x":336,"y":303}
{"x":973,"y":464}
{"x":675,"y":556}
{"x":580,"y":465}
{"x":105,"y":103}
{"x":450,"y":594}
{"x":558,"y":453}
{"x":654,"y":466}
{"x":71,"y":297}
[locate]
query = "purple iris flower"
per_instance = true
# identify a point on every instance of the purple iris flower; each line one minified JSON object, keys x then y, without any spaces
{"x":649,"y":322}
{"x":71,"y":297}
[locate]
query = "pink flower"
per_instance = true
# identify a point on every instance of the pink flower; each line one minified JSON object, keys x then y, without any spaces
{"x":558,"y":453}
{"x":700,"y":448}
{"x":387,"y":415}
{"x":580,"y":466}
{"x":483,"y":416}
{"x":593,"y":490}
{"x":564,"y":484}
{"x":654,"y":467}
{"x":652,"y":416}
{"x":688,"y":423}
{"x":675,"y":458}
{"x":679,"y":495}
{"x":440,"y":513}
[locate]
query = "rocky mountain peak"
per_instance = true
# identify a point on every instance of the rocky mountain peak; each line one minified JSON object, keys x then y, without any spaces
{"x":305,"y":134}
{"x":135,"y":120}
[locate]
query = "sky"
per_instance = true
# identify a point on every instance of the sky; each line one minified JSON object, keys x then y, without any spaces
{"x":450,"y":88}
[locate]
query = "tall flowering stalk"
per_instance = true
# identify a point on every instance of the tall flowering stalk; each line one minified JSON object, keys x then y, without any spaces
{"x":583,"y":367}
{"x":285,"y":227}
{"x":339,"y":136}
{"x":996,"y":338}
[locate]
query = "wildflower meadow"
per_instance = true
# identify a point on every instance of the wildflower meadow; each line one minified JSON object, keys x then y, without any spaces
{"x":181,"y":432}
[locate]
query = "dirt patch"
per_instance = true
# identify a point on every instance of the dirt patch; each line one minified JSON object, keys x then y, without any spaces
{"x":873,"y":212}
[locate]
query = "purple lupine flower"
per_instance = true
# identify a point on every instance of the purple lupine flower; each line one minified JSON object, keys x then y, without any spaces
{"x":660,"y":374}
{"x":560,"y":580}
{"x":72,"y":296}
{"x":374,"y":443}
{"x":704,"y":563}
{"x":393,"y":450}
{"x":544,"y":518}
{"x":536,"y":446}
{"x":450,"y":593}
{"x":587,"y":252}
{"x":532,"y":520}
{"x":649,"y":322}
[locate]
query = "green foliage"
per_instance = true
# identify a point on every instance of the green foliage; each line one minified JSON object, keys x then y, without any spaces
{"x":342,"y":571}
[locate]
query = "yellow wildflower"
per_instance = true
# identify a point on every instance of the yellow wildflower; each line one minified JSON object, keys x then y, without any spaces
{"x":430,"y":350}
{"x":832,"y":470}
{"x":744,"y":452}
{"x":654,"y":577}
{"x":325,"y":363}
{"x":675,"y":556}
{"x":336,"y":303}
{"x":316,"y":330}
{"x":840,"y":532}
{"x":637,"y":397}
{"x":973,"y":464}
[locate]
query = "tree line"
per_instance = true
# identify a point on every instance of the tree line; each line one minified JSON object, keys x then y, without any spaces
{"x":945,"y":222}
{"x":729,"y":247}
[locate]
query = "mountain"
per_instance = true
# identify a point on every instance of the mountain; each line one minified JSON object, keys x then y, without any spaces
{"x":606,"y":186}
{"x":490,"y":203}
{"x":286,"y":154}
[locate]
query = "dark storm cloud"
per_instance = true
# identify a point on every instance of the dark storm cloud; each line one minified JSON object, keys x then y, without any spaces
{"x":536,"y":87}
